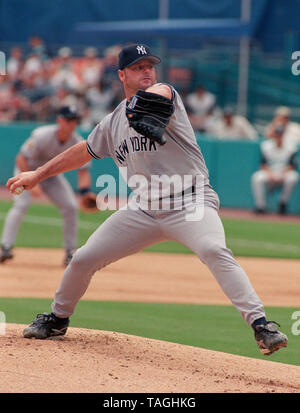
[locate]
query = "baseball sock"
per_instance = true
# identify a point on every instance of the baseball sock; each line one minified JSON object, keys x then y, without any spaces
{"x":59,"y":318}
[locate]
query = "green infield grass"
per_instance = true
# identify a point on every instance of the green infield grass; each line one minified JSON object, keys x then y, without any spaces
{"x":213,"y":327}
{"x":42,"y":227}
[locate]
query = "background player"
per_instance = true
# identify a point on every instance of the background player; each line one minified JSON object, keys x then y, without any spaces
{"x":278,"y":170}
{"x":132,"y":229}
{"x":44,"y":144}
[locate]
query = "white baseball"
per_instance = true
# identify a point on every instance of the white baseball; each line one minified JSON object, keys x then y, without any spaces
{"x":18,"y":190}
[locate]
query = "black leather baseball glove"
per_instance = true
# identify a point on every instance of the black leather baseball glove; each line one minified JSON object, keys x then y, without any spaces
{"x":88,"y":202}
{"x":148,"y":114}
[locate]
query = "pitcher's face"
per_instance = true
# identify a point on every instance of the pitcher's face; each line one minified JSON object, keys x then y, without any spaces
{"x":140,"y":75}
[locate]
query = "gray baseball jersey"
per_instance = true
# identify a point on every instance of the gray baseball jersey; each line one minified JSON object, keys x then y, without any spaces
{"x":180,"y":156}
{"x":128,"y":231}
{"x":43,"y":145}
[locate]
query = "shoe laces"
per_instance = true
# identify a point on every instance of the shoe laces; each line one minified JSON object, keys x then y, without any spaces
{"x":274,"y":322}
{"x":268,"y":330}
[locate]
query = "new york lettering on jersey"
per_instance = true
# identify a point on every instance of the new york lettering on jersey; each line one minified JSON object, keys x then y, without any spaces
{"x":137,"y":144}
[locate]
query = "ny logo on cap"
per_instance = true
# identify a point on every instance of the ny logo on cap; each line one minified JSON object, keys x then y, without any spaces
{"x":141,"y":50}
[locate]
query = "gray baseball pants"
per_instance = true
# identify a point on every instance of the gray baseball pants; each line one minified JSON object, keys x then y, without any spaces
{"x":127,"y":232}
{"x":61,"y":194}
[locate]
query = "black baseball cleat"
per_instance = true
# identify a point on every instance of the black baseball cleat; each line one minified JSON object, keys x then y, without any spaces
{"x":46,"y":325}
{"x":269,"y":339}
{"x":5,"y":254}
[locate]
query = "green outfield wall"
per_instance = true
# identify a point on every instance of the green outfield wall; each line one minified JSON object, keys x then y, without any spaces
{"x":230,"y":165}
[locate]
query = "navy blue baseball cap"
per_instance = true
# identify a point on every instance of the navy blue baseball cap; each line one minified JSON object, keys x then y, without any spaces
{"x":131,"y":54}
{"x":69,"y":112}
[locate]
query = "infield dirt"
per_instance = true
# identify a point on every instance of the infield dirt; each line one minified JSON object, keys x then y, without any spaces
{"x":105,"y":362}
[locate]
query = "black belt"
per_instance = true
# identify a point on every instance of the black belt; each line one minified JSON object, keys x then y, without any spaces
{"x":187,"y":191}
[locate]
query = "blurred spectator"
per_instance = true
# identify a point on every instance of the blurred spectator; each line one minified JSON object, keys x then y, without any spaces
{"x":91,"y":68}
{"x":38,"y":47}
{"x":15,"y":63}
{"x":99,"y":101}
{"x":13,"y":106}
{"x":62,"y":59}
{"x":282,"y":116}
{"x":33,"y":65}
{"x":64,"y":76}
{"x":36,"y":85}
{"x":62,"y":71}
{"x":201,"y":106}
{"x":278,"y":169}
{"x":110,"y":69}
{"x":232,"y":126}
{"x":64,"y":97}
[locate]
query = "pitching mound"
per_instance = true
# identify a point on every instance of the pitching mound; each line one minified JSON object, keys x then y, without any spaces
{"x":90,"y":361}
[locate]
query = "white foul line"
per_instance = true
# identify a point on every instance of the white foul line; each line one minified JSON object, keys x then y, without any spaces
{"x":53,"y":222}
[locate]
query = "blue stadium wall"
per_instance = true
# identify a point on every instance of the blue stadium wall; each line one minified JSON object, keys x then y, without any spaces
{"x":54,"y":20}
{"x":230,"y":165}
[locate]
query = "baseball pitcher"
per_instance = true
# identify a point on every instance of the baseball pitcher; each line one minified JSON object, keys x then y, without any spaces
{"x":150,"y":135}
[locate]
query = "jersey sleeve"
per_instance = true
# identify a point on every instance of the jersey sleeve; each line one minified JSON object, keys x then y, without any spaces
{"x":98,"y":140}
{"x":179,"y":127}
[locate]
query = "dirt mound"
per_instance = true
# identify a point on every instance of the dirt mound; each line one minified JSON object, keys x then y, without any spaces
{"x":90,"y":361}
